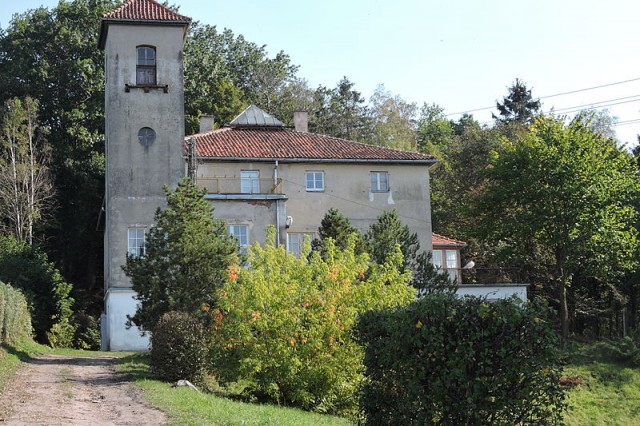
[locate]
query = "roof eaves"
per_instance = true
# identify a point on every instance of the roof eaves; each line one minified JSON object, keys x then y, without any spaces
{"x":104,"y":26}
{"x":321,"y":160}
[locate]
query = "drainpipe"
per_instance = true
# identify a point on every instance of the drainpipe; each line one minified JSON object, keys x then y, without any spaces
{"x":275,"y":184}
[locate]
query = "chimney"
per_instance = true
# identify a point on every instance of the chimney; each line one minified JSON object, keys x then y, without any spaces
{"x":206,"y":123}
{"x":301,"y":121}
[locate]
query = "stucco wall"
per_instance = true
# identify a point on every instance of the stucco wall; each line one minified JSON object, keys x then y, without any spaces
{"x":347,"y":188}
{"x":135,"y":173}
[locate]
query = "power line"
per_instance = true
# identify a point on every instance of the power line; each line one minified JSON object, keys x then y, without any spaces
{"x":554,"y":95}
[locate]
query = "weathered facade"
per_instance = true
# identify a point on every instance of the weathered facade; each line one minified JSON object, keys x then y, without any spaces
{"x":144,"y":121}
{"x":258,"y":173}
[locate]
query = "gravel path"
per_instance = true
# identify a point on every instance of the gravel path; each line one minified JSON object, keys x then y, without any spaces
{"x":71,"y":390}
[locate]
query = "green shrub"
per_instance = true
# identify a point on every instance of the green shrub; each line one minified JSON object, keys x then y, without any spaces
{"x":450,"y":361}
{"x":15,"y":320}
{"x":624,"y":350}
{"x":178,"y":348}
{"x":48,"y":295}
{"x":284,"y":324}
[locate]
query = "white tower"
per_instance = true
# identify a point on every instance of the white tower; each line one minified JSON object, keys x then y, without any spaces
{"x":144,"y":130}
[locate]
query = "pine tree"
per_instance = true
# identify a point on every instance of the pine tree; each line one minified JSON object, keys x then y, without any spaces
{"x":187,"y":256}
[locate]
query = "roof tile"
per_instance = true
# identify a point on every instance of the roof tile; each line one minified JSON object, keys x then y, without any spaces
{"x":278,"y":143}
{"x":440,"y":240}
{"x":145,"y":10}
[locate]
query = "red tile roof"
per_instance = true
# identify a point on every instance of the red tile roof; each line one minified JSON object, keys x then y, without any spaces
{"x":145,"y":10}
{"x":278,"y":143}
{"x":440,"y":240}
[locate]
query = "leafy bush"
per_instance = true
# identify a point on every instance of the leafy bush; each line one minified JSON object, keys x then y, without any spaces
{"x":449,"y":361}
{"x":284,"y":324}
{"x":15,"y":320}
{"x":178,"y":348}
{"x":48,"y":295}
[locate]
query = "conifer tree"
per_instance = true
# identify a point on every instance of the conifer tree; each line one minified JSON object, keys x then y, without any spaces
{"x":187,"y":255}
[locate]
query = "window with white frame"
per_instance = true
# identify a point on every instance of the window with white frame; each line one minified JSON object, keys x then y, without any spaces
{"x":379,"y":181}
{"x":240,"y":233}
{"x":446,"y":261}
{"x":295,"y":240}
{"x":136,"y":241}
{"x":314,"y":181}
{"x":250,"y":182}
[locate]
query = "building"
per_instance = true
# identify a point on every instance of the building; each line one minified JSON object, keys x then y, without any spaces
{"x":255,"y":170}
{"x":259,"y":173}
{"x":144,"y":121}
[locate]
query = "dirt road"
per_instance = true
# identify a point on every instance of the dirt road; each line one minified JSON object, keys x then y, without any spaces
{"x":64,"y":390}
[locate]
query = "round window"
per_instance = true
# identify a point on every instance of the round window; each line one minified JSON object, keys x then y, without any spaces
{"x":146,"y":136}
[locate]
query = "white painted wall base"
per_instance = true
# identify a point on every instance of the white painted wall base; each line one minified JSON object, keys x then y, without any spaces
{"x":115,"y":336}
{"x":494,"y":291}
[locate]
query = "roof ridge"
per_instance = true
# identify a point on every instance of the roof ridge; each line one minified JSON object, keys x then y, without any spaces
{"x":145,"y":10}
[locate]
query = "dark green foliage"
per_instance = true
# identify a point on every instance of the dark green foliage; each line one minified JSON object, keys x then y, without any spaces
{"x":15,"y":319}
{"x":449,"y":361}
{"x":87,"y":332}
{"x":625,"y":350}
{"x":518,"y":106}
{"x":48,"y":295}
{"x":385,"y":233}
{"x":428,"y":280}
{"x":336,"y":226}
{"x":340,"y":112}
{"x":187,"y":253}
{"x":178,"y":348}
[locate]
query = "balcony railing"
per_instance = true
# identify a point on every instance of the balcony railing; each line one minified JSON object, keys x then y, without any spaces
{"x":236,"y":185}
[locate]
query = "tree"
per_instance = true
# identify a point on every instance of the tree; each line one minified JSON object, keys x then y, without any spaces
{"x":392,"y":120}
{"x":434,"y":131}
{"x":26,"y":187}
{"x":518,"y":106}
{"x":187,"y":254}
{"x":568,"y":192}
{"x":336,"y":226}
{"x":339,"y":112}
{"x":385,"y":233}
{"x":53,"y":57}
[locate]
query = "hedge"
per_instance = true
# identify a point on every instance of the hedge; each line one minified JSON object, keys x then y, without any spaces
{"x":450,"y":361}
{"x":15,"y":321}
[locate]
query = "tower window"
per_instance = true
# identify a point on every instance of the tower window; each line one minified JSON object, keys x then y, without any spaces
{"x":146,"y":66}
{"x":146,"y":136}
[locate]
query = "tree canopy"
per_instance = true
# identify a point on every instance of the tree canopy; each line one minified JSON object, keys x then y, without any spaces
{"x":187,"y":254}
{"x":567,"y":191}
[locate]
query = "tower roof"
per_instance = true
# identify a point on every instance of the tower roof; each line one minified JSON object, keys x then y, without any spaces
{"x":255,"y":117}
{"x":140,"y":12}
{"x":145,"y":10}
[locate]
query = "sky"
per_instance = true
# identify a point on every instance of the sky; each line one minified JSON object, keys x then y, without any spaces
{"x":460,"y":54}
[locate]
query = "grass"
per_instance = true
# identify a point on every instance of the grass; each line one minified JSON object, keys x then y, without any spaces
{"x":609,"y":393}
{"x":188,"y":407}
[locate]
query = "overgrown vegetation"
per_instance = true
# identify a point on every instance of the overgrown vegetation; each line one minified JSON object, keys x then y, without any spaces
{"x":284,"y":324}
{"x":15,"y":319}
{"x":48,"y":295}
{"x":444,"y":360}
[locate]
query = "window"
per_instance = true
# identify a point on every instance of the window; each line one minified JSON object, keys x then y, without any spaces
{"x":136,"y":242}
{"x":146,"y":136}
{"x":295,"y":242}
{"x":450,"y":264}
{"x":379,"y":182}
{"x":146,"y":66}
{"x":314,"y":181}
{"x":436,"y":259}
{"x":250,"y":182}
{"x":241,"y":233}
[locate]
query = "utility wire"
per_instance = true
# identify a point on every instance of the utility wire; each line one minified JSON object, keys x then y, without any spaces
{"x":554,"y":95}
